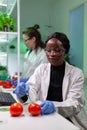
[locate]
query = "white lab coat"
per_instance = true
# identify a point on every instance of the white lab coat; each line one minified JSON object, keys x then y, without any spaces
{"x":32,"y":60}
{"x":72,"y":90}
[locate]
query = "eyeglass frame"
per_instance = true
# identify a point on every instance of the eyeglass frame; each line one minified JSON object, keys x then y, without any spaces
{"x":56,"y":50}
{"x":27,"y":39}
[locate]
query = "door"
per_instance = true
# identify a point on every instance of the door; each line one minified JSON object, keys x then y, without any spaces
{"x":76,"y":36}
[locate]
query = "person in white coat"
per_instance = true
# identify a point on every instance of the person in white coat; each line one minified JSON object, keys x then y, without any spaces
{"x":57,"y":84}
{"x":35,"y":54}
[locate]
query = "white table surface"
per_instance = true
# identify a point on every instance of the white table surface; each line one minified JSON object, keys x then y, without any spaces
{"x":28,"y":122}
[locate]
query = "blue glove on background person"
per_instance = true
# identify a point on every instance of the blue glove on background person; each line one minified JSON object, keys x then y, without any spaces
{"x":47,"y":107}
{"x":15,"y":82}
{"x":21,"y":90}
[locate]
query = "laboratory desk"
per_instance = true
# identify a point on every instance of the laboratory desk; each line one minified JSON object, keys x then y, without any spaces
{"x":27,"y":122}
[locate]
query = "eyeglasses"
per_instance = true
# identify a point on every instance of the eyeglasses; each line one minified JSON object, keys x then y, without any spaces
{"x":56,"y":50}
{"x":27,"y":39}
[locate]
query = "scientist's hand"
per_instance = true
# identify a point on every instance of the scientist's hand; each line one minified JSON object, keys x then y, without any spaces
{"x":15,"y":82}
{"x":47,"y":107}
{"x":21,"y":90}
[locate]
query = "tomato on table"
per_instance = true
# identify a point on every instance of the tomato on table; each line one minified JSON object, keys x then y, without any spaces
{"x":16,"y":109}
{"x":34,"y":109}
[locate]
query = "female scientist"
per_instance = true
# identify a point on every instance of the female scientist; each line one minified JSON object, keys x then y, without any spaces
{"x":36,"y":54}
{"x":57,"y":84}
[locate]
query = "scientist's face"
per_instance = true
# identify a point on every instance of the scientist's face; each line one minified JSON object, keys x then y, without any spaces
{"x":55,"y":52}
{"x":30,"y":42}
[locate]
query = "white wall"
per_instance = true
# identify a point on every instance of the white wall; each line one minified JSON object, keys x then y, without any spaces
{"x":37,"y":12}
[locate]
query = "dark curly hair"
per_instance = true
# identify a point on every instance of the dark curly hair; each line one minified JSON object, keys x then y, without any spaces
{"x":33,"y":32}
{"x":61,"y":37}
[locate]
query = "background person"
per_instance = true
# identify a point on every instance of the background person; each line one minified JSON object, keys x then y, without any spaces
{"x":36,"y":53}
{"x":57,"y":84}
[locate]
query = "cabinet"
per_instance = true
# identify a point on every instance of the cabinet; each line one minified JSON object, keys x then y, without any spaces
{"x":6,"y":38}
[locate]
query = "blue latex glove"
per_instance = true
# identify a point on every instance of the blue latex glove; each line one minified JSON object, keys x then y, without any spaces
{"x":21,"y":90}
{"x":47,"y":107}
{"x":21,"y":80}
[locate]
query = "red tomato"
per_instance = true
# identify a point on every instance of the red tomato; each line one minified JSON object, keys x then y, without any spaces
{"x":16,"y":109}
{"x":7,"y":84}
{"x":34,"y":109}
